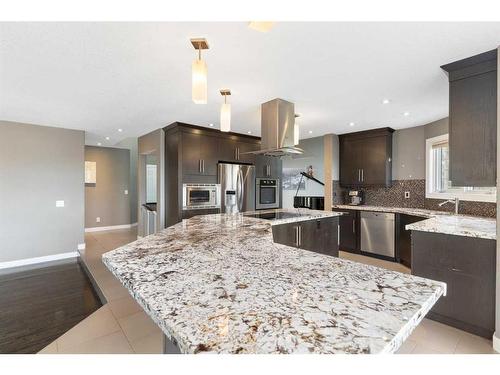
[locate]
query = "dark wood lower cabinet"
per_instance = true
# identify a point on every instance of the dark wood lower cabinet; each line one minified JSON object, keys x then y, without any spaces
{"x":468,"y":266}
{"x":403,"y":238}
{"x":349,"y":231}
{"x":319,"y":235}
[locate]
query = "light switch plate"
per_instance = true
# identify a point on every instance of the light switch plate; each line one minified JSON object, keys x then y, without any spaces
{"x":59,"y":203}
{"x":97,"y":219}
{"x":407,"y":195}
{"x":126,"y":192}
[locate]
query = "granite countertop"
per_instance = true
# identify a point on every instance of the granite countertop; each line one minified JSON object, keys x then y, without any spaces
{"x":439,"y":221}
{"x":218,"y":283}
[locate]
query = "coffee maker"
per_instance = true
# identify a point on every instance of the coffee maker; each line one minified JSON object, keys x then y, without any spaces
{"x":355,"y":197}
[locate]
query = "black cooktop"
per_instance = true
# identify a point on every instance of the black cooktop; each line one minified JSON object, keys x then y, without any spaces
{"x":275,"y":215}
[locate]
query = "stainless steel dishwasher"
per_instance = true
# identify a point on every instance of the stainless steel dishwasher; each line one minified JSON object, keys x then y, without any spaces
{"x":378,"y":233}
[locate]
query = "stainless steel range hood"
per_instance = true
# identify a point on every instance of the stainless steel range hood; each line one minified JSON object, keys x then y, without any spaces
{"x":277,"y":129}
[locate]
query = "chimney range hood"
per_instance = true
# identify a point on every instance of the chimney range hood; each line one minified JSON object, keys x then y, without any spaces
{"x":277,"y":129}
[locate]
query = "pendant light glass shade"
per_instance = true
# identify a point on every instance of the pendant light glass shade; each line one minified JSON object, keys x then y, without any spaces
{"x":225,"y":117}
{"x":296,"y":134}
{"x":199,"y":91}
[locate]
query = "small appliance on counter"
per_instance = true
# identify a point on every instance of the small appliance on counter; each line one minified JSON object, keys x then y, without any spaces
{"x":355,"y":197}
{"x":313,"y":203}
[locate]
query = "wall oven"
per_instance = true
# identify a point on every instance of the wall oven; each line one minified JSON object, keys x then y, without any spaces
{"x":267,"y":193}
{"x":200,"y":196}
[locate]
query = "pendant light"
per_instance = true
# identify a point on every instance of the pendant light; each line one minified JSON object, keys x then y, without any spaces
{"x":225,"y":112}
{"x":199,"y":73}
{"x":296,"y":131}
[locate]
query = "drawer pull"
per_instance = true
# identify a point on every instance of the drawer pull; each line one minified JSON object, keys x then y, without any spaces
{"x":456,"y":270}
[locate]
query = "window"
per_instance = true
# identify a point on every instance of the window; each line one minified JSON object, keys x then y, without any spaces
{"x":438,"y":184}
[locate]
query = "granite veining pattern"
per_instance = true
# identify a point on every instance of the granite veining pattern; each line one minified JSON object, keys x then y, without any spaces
{"x":439,"y":221}
{"x":218,"y":283}
{"x":459,"y":226}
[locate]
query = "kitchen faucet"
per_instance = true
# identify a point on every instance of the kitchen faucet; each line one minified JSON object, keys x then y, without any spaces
{"x":454,"y":200}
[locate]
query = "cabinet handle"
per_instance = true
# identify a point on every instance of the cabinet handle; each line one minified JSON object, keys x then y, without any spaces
{"x":338,"y":234}
{"x":362,"y":175}
{"x":199,"y":166}
{"x":456,"y":270}
{"x":300,"y":235}
{"x":268,"y":170}
{"x":359,"y":175}
{"x":354,"y":226}
{"x":296,"y":230}
{"x":203,"y":164}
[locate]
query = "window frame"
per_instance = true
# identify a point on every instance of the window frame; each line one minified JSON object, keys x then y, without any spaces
{"x":429,"y":175}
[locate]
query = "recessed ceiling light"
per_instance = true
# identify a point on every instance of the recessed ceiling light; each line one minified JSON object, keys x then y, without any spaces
{"x":310,"y":131}
{"x":406,"y":114}
{"x":386,"y":101}
{"x":249,"y":132}
{"x":351,"y":124}
{"x":99,"y":143}
{"x":263,"y":27}
{"x":120,"y":130}
{"x":107,"y":138}
{"x":211,"y":125}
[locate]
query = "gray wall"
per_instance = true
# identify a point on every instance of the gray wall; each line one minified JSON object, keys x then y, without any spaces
{"x":313,"y":155}
{"x":151,"y":144}
{"x":39,"y":165}
{"x":106,"y":198}
{"x":132,"y":145}
{"x":497,"y":326}
{"x":408,"y":153}
{"x":408,"y":149}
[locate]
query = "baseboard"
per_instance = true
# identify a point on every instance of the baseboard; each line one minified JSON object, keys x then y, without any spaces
{"x":36,"y":260}
{"x":496,"y":342}
{"x":112,"y":227}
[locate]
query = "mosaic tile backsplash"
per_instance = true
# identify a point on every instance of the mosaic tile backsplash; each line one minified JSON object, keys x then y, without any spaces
{"x":394,"y":196}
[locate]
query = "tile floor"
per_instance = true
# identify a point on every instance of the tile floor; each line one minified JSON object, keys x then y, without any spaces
{"x":121,"y":326}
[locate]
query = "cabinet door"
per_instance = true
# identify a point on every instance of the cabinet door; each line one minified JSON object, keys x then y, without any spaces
{"x":191,"y":156}
{"x":350,"y":156}
{"x":374,"y":161}
{"x":244,"y":147}
{"x":209,"y":154}
{"x":329,"y":236}
{"x":285,"y":234}
{"x":268,"y":166}
{"x":349,"y":231}
{"x":310,"y":236}
{"x":403,"y":244}
{"x":473,"y":134}
{"x":227,"y":150}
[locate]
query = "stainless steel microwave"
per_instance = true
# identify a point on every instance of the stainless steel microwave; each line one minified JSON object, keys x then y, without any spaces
{"x":200,"y":196}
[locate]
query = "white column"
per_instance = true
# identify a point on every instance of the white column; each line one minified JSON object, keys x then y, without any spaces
{"x":327,"y":170}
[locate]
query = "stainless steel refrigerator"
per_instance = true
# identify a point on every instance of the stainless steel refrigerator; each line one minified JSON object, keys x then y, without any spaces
{"x":237,"y":185}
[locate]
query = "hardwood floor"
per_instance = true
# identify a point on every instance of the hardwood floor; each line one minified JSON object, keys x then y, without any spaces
{"x":38,"y":306}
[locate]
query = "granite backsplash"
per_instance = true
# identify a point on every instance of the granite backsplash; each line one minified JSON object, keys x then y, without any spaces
{"x":394,"y":196}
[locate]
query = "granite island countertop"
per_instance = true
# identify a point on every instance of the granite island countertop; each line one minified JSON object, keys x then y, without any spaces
{"x":439,"y":221}
{"x":218,"y":283}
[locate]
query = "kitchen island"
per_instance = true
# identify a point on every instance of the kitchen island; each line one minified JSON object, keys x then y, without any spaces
{"x":218,"y":283}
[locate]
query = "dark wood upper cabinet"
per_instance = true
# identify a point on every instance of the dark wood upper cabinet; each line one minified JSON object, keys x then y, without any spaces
{"x":199,"y":154}
{"x":473,"y":120}
{"x":234,"y":150}
{"x":366,"y":158}
{"x":268,"y":166}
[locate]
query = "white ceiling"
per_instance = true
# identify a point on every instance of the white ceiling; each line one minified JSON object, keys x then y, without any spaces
{"x":100,"y":77}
